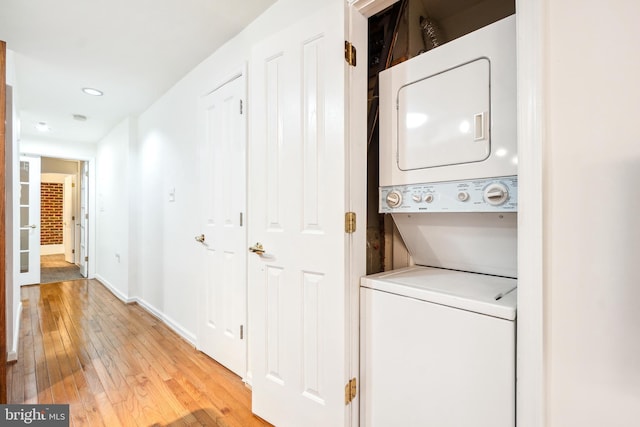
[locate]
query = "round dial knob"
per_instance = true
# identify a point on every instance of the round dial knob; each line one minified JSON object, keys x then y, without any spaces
{"x":394,"y":199}
{"x":417,"y":198}
{"x":428,"y":198}
{"x":463,"y":196}
{"x":496,"y":194}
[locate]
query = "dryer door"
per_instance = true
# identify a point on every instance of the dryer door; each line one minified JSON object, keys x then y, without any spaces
{"x":444,"y":119}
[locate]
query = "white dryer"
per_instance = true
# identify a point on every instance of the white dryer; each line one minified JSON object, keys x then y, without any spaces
{"x":450,"y":113}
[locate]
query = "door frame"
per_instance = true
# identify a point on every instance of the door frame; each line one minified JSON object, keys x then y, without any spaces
{"x":3,"y":231}
{"x":356,"y":191}
{"x":60,"y":178}
{"x":531,"y":104}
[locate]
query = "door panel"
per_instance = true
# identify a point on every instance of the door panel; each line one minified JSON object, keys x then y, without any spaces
{"x":222,"y":318}
{"x":298,"y":311}
{"x":29,"y":200}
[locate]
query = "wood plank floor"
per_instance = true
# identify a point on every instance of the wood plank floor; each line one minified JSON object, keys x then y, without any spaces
{"x":116,"y":365}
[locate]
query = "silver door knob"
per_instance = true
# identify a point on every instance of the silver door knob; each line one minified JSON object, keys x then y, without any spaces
{"x":200,"y":238}
{"x":33,"y":226}
{"x":257,"y":249}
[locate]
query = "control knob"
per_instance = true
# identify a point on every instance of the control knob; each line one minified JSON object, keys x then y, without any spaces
{"x":496,"y":194}
{"x":394,"y":199}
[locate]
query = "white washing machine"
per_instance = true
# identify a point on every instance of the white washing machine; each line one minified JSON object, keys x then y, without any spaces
{"x":437,"y":340}
{"x":437,"y":349}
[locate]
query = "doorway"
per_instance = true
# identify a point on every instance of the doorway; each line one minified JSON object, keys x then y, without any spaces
{"x":60,"y":224}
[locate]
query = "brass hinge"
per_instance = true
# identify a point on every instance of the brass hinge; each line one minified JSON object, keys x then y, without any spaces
{"x":73,"y":251}
{"x":86,"y":258}
{"x":73,"y":218}
{"x":241,"y":106}
{"x":350,"y":391}
{"x":350,"y":222}
{"x":350,"y":53}
{"x":73,"y":184}
{"x":241,"y":331}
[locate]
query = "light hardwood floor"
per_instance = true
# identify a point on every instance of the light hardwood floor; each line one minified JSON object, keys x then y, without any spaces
{"x":115,"y":364}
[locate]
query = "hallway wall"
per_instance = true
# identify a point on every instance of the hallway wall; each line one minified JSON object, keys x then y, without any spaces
{"x":165,"y":261}
{"x":113,"y":189}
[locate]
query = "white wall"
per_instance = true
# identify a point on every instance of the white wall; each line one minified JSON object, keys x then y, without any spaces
{"x":112,"y":217}
{"x":592,"y":215}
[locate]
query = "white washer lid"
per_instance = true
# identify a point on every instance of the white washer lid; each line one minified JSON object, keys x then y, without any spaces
{"x":490,"y":295}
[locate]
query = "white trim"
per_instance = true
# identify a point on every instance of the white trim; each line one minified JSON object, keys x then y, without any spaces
{"x":356,"y":200}
{"x":115,"y":291}
{"x":530,"y":389}
{"x":53,"y":178}
{"x":368,"y":8}
{"x":173,"y":325}
{"x":51,"y":249}
{"x":12,"y":355}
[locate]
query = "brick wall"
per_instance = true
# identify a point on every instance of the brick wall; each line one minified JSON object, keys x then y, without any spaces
{"x":51,"y":214}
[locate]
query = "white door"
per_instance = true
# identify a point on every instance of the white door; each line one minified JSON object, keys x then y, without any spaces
{"x":84,"y":219}
{"x":68,"y":219}
{"x":29,"y":200}
{"x":298,"y":287}
{"x":223,"y":303}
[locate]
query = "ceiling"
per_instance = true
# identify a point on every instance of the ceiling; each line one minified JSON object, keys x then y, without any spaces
{"x":132,"y":50}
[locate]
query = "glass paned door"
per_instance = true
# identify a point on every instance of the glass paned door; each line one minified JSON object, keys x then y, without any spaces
{"x":29,"y":201}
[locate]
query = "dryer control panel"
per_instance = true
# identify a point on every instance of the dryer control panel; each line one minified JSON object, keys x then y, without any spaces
{"x":475,"y":195}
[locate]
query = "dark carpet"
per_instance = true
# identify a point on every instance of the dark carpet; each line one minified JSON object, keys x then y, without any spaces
{"x":53,"y":268}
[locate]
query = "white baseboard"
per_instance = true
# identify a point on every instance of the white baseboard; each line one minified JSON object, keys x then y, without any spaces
{"x":248,"y":380}
{"x":12,"y":355}
{"x":187,"y":336}
{"x":173,"y":325}
{"x":115,"y":291}
{"x":51,"y":249}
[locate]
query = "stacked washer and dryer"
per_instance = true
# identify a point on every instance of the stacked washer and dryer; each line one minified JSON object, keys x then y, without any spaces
{"x":438,"y":338}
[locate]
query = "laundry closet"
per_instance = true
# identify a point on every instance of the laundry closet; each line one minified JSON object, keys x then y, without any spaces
{"x":438,"y":304}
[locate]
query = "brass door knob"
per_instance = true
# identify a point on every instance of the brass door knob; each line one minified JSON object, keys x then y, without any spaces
{"x":200,"y":238}
{"x":257,"y":249}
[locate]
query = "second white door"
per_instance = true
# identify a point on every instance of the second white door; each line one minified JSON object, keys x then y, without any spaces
{"x":223,"y":302}
{"x":29,"y":200}
{"x":298,"y":276}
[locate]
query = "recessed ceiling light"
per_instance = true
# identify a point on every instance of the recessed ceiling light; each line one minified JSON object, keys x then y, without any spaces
{"x":43,"y":127}
{"x":91,"y":91}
